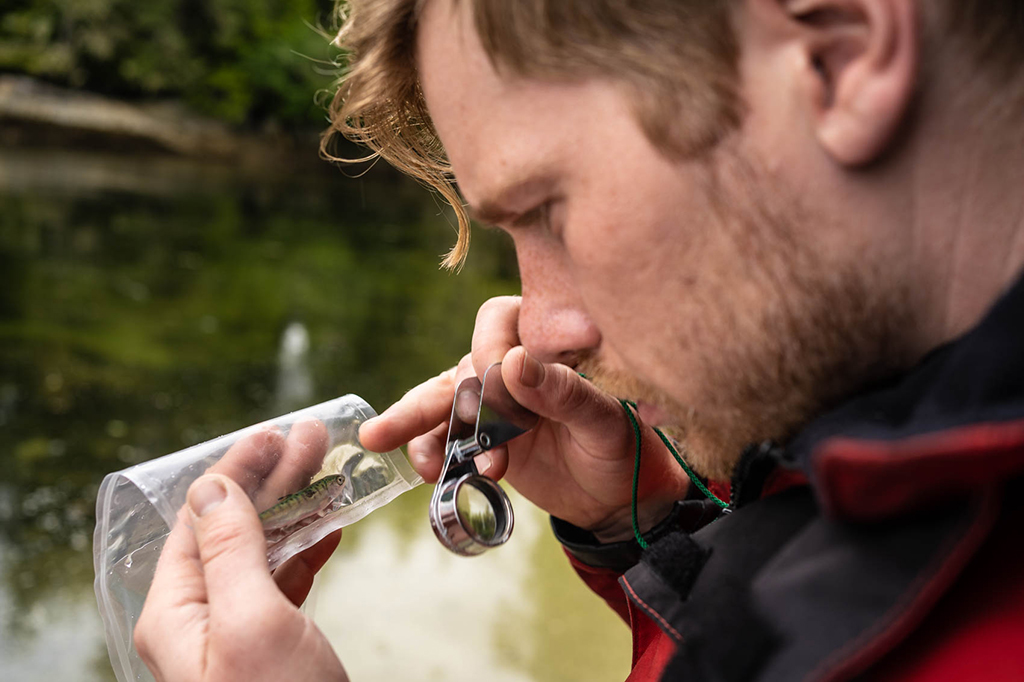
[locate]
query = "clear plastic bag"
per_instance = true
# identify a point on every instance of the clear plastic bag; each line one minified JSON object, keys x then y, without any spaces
{"x":306,"y":472}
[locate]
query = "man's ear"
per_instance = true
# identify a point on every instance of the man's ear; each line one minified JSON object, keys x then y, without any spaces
{"x":862,"y":58}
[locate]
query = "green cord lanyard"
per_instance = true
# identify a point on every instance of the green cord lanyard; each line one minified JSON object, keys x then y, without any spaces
{"x":629,"y":406}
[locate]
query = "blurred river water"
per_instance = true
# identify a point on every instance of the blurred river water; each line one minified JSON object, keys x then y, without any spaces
{"x":150,"y":303}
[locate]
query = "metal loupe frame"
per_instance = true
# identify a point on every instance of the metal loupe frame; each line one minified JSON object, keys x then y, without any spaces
{"x":459,"y":469}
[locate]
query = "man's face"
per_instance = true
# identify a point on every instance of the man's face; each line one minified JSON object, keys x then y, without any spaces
{"x":702,"y":288}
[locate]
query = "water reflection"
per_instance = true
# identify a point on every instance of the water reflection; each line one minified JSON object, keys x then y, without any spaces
{"x":294,"y":378}
{"x":56,"y":639}
{"x":401,"y":607}
{"x":419,"y":612}
{"x":149,"y":304}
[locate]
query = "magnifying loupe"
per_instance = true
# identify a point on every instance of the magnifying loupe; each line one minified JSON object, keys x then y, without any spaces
{"x":470,"y":513}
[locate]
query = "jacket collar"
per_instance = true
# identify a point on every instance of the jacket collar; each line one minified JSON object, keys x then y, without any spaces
{"x":953,"y":425}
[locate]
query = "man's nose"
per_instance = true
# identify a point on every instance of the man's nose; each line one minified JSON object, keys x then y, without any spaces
{"x":556,"y":334}
{"x":553,"y":325}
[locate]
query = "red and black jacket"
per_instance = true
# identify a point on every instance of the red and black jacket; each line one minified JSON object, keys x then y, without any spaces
{"x":886,"y":541}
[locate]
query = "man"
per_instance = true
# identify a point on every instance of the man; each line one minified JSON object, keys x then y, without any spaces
{"x":791,"y":230}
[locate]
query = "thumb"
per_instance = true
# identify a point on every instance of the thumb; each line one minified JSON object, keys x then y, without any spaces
{"x":232,"y":546}
{"x":556,"y":392}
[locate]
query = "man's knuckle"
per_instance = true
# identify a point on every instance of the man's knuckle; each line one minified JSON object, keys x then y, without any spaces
{"x":575,"y":395}
{"x":490,"y":306}
{"x":447,"y":377}
{"x":221,"y":540}
{"x":496,"y":308}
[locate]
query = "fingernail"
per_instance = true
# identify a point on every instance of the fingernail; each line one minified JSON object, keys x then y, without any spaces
{"x":533,"y":372}
{"x":483,"y":463}
{"x":205,"y":495}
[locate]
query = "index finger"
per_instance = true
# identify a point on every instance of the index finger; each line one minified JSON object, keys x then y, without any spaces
{"x":251,"y":459}
{"x":418,"y":412}
{"x":496,"y":331}
{"x":301,"y":457}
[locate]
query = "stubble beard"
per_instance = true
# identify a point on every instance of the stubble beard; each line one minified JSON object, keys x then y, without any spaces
{"x":826,"y":329}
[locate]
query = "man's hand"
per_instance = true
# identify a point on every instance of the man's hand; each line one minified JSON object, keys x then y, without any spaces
{"x":214,"y":611}
{"x":576,"y":464}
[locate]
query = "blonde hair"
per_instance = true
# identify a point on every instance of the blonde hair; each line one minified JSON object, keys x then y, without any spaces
{"x":674,"y":55}
{"x":678,"y":57}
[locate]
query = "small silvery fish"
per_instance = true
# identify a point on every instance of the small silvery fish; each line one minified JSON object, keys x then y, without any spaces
{"x":310,"y":501}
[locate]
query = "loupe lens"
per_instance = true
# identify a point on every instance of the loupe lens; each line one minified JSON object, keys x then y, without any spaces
{"x":483,"y":510}
{"x":472,"y":514}
{"x":476,"y":513}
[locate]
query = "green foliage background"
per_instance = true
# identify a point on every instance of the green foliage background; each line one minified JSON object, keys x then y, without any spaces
{"x":143,"y":298}
{"x":242,"y":61}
